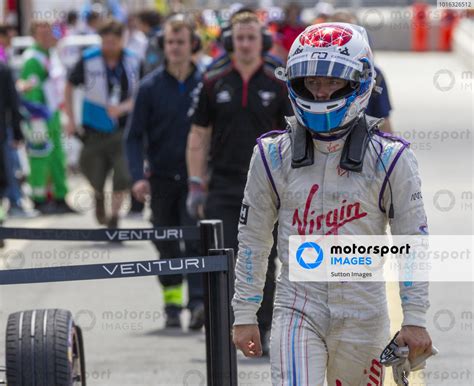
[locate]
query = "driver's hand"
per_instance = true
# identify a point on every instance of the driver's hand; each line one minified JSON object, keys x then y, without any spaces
{"x":246,"y":338}
{"x":416,"y":338}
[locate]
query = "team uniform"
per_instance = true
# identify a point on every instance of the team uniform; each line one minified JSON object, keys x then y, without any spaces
{"x":343,"y":326}
{"x":103,"y":136}
{"x":162,"y":119}
{"x":43,"y":129}
{"x":379,"y":104}
{"x":327,"y":330}
{"x":239,"y":112}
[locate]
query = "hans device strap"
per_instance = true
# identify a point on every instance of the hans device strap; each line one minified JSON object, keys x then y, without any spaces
{"x":352,"y":157}
{"x":302,"y":151}
{"x":355,"y":146}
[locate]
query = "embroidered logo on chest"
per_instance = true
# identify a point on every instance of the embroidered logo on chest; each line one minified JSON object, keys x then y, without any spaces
{"x":266,"y":97}
{"x":223,"y":96}
{"x":342,"y":172}
{"x":333,"y":220}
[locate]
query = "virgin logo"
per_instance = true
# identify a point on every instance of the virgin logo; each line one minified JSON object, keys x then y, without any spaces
{"x":332,"y":147}
{"x":333,"y":220}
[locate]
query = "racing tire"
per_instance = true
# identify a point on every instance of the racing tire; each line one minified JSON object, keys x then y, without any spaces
{"x":44,"y":348}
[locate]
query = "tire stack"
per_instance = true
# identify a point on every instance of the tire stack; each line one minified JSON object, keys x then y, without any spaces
{"x":44,"y":348}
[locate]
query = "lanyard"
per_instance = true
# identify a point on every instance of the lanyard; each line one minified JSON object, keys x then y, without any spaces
{"x":115,"y":75}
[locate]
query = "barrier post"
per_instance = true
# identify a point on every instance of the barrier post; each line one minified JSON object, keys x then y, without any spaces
{"x":212,"y":237}
{"x":223,"y":352}
{"x":420,"y":27}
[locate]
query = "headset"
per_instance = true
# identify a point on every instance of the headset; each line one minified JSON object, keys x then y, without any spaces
{"x":226,"y":36}
{"x":196,"y":40}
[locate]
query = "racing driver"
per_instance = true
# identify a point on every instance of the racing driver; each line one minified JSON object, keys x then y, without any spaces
{"x":330,"y":172}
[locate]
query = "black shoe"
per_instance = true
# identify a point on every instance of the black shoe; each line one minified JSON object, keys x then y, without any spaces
{"x":112,"y":223}
{"x":197,"y":317}
{"x":173,"y":321}
{"x":136,"y":206}
{"x":62,"y":207}
{"x":46,"y":207}
{"x":172,"y":316}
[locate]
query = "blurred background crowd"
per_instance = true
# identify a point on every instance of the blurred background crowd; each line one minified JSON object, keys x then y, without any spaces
{"x":73,"y":27}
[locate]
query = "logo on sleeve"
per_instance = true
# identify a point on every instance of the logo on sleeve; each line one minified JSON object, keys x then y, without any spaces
{"x":423,"y":229}
{"x":244,"y":214}
{"x":382,"y":163}
{"x":194,"y":94}
{"x":416,"y":196}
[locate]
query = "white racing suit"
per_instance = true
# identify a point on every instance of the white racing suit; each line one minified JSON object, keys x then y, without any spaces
{"x":339,"y":328}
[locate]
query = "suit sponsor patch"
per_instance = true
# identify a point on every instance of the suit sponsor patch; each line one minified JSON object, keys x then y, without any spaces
{"x":244,"y":214}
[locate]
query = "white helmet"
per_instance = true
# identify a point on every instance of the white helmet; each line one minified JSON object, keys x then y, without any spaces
{"x":336,"y":50}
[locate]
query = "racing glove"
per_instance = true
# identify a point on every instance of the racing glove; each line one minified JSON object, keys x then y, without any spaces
{"x":197,"y":195}
{"x":397,"y":357}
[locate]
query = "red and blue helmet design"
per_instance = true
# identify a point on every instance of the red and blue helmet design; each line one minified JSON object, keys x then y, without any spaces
{"x":334,"y":50}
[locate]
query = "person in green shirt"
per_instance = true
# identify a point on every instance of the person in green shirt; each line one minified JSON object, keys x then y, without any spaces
{"x":43,"y":126}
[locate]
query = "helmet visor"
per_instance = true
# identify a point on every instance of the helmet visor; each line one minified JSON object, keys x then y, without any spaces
{"x":330,"y":68}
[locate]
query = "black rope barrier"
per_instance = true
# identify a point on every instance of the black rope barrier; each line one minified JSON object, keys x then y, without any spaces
{"x":216,"y":265}
{"x":188,"y":233}
{"x":182,"y":266}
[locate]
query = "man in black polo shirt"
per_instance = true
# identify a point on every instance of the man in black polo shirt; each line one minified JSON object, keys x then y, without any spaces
{"x":161,"y":120}
{"x":239,"y":101}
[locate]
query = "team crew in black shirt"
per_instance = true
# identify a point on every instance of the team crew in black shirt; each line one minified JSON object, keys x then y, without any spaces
{"x":240,"y":100}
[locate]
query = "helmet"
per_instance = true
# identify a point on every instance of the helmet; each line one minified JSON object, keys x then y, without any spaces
{"x":336,"y":50}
